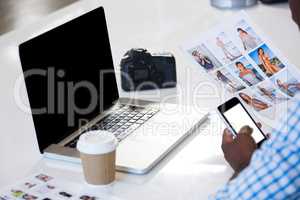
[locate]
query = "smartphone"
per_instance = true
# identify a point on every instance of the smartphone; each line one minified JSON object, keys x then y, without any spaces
{"x":236,"y":116}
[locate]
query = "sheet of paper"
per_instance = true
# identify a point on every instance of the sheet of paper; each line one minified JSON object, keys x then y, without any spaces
{"x":45,"y":187}
{"x":239,"y":57}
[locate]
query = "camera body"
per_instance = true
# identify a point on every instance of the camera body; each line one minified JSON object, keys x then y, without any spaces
{"x":141,"y":70}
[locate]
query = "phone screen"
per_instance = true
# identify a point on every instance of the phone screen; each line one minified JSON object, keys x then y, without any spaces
{"x":237,"y":117}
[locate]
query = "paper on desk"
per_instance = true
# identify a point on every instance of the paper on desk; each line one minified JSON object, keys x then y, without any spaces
{"x":238,"y":56}
{"x":45,"y":187}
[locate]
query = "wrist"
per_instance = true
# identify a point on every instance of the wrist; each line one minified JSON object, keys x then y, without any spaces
{"x":237,"y":172}
{"x":234,"y":175}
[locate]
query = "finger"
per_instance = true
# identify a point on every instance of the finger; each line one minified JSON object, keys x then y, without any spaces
{"x":247,"y":130}
{"x":259,"y":124}
{"x":227,"y":136}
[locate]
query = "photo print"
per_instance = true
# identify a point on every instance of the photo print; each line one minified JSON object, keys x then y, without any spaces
{"x":64,"y":195}
{"x":247,"y":38}
{"x":253,"y":100}
{"x":267,"y":61}
{"x":17,"y":193}
{"x":269,"y":91}
{"x":44,"y":178}
{"x":246,"y":72}
{"x":287,"y":83}
{"x":45,"y":189}
{"x":233,"y":84}
{"x":87,"y":197}
{"x":29,"y":197}
{"x":204,"y":58}
{"x":224,"y":49}
{"x":28,"y":185}
{"x":5,"y":197}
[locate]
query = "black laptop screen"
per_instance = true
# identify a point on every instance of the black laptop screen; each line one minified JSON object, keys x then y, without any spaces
{"x":67,"y":70}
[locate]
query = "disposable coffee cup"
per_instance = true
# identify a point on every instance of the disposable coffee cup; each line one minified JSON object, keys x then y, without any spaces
{"x":98,"y":156}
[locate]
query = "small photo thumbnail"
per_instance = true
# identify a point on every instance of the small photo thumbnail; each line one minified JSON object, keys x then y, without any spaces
{"x":247,"y":36}
{"x":5,"y":197}
{"x":232,"y":83}
{"x":246,"y":71}
{"x":202,"y":55}
{"x":87,"y":197}
{"x":287,"y":83}
{"x":254,"y":101}
{"x":29,"y":197}
{"x":270,"y":92}
{"x":45,"y":189}
{"x":64,"y":195}
{"x":267,"y":61}
{"x":17,"y":193}
{"x":224,"y":49}
{"x":44,"y":178}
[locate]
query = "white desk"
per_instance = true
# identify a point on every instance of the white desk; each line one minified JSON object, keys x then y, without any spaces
{"x":194,"y":169}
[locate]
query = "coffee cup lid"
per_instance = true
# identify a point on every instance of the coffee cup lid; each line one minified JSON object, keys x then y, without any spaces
{"x":97,"y":142}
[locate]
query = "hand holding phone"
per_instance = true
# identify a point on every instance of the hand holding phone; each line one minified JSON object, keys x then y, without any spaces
{"x":238,"y":151}
{"x":236,"y":116}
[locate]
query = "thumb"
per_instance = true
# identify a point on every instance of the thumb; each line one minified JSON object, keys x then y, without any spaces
{"x":246,"y":130}
{"x":227,"y":136}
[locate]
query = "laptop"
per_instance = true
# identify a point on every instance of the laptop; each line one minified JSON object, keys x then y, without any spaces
{"x":71,"y":86}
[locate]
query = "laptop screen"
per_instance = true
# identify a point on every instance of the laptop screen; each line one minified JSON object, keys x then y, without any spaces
{"x":69,"y":76}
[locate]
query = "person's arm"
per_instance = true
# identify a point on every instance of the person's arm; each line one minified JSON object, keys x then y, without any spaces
{"x":274,"y":169}
{"x":295,"y":8}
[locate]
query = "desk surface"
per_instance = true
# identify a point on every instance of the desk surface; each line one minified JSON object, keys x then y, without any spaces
{"x":196,"y":168}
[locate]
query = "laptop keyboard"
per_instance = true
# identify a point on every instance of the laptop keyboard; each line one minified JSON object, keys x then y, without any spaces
{"x":121,"y":122}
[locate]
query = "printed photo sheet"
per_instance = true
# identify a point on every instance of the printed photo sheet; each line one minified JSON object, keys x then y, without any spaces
{"x":238,"y":56}
{"x":45,"y":187}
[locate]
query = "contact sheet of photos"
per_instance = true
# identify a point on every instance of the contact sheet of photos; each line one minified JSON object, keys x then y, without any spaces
{"x":44,"y":187}
{"x":247,"y":64}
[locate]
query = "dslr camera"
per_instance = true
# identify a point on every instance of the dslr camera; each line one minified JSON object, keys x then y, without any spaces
{"x":141,"y":70}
